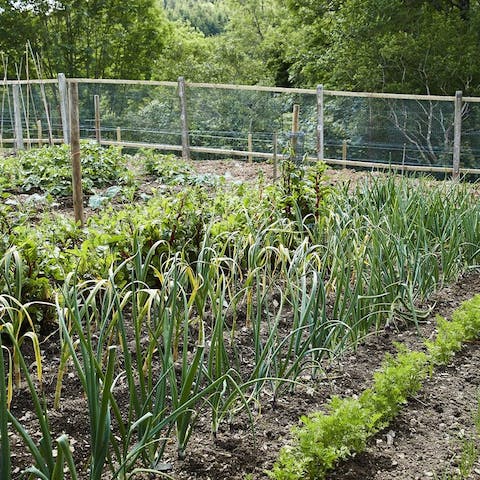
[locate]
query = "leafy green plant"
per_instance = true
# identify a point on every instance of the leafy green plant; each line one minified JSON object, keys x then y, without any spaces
{"x":326,"y":438}
{"x":48,"y":169}
{"x":171,"y":170}
{"x":303,"y":190}
{"x":464,"y":326}
{"x":168,"y":169}
{"x":99,"y":200}
{"x":400,"y":378}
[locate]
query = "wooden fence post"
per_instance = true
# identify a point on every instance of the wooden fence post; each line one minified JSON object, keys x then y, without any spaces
{"x":457,"y":135}
{"x":62,"y":90}
{"x":184,"y":118}
{"x":17,"y":114}
{"x":275,"y":150}
{"x":39,"y":133}
{"x":250,"y":148}
{"x":320,"y":137}
{"x":295,"y":128}
{"x":119,"y":138}
{"x":75,"y":154}
{"x":96,"y":103}
{"x":344,"y":153}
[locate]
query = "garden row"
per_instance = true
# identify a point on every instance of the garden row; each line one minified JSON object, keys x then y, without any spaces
{"x":325,"y":438}
{"x":150,"y":298}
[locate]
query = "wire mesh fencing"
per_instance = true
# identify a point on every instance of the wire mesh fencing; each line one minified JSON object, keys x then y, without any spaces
{"x":227,"y":120}
{"x":30,"y":113}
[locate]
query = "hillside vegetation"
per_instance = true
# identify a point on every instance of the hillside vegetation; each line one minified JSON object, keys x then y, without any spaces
{"x":428,"y":46}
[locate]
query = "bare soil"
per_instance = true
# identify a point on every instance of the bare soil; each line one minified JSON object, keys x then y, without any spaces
{"x":425,"y":440}
{"x":241,"y":170}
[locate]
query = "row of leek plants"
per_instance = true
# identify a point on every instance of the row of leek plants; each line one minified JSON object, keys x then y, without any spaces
{"x":127,"y":342}
{"x":399,"y":235}
{"x":169,"y":372}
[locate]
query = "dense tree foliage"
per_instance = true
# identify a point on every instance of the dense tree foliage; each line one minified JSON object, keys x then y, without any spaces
{"x":208,"y":16}
{"x":98,"y":38}
{"x":395,"y":45}
{"x":252,"y":44}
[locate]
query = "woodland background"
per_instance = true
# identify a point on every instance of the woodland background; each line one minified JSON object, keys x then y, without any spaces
{"x":409,"y":46}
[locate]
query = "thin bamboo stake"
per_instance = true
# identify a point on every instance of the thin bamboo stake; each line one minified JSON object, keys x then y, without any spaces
{"x":75,"y":154}
{"x":24,"y":109}
{"x":63,"y":94}
{"x":27,"y":106}
{"x":38,"y":68}
{"x":26,"y":116}
{"x":30,"y":98}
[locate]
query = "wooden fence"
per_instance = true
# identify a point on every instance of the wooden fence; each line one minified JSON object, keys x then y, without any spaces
{"x":68,"y":84}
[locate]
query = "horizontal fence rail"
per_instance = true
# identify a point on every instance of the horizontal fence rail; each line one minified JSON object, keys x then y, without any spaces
{"x":428,"y":133}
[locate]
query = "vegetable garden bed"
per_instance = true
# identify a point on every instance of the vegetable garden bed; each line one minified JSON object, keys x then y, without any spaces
{"x":196,"y":318}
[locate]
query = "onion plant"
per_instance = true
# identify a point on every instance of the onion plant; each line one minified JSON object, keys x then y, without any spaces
{"x":15,"y":314}
{"x":47,"y":464}
{"x":5,"y":461}
{"x":166,"y":389}
{"x":97,"y":382}
{"x":13,"y":311}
